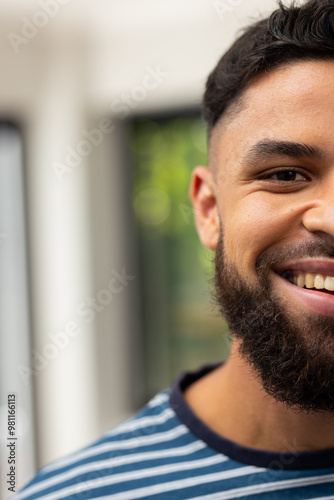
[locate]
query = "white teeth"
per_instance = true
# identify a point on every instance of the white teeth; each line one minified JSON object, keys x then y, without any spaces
{"x":309,"y":280}
{"x":329,"y":283}
{"x":319,"y":281}
{"x":301,"y":281}
{"x":312,"y":280}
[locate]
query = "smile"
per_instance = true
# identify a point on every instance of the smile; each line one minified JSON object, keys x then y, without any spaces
{"x":309,"y":284}
{"x":309,"y":280}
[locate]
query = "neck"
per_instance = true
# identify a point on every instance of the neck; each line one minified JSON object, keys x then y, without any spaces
{"x":231,"y":401}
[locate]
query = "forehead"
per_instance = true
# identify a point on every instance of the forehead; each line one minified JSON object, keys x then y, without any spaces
{"x":294,"y":103}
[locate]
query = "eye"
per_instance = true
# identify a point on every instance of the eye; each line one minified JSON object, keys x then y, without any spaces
{"x":286,"y":175}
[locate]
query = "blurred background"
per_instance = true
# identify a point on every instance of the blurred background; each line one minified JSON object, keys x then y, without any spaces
{"x":105,"y":288}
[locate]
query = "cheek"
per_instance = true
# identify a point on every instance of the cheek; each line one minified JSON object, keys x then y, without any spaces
{"x":253,"y":225}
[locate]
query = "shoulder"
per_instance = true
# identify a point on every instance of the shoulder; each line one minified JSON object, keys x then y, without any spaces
{"x":152,"y":437}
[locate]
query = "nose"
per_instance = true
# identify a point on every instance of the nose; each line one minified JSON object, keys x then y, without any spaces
{"x":319,"y":217}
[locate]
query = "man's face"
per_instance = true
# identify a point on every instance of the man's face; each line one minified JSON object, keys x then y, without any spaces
{"x":271,"y":202}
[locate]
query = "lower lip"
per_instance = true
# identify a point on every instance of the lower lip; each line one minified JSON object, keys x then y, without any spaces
{"x":318,"y":302}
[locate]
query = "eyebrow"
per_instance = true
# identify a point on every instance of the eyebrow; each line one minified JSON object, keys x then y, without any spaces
{"x":268,"y":148}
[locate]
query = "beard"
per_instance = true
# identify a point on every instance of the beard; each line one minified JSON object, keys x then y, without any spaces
{"x":291,"y":356}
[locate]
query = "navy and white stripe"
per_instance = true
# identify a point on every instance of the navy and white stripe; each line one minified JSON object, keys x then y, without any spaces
{"x":165,"y":452}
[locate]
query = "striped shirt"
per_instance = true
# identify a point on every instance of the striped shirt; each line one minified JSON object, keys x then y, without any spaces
{"x":166,"y":452}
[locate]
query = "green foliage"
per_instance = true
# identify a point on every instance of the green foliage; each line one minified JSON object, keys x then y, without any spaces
{"x":181,"y":328}
{"x":165,"y":156}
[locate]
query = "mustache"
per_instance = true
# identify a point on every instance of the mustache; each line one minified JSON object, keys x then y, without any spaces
{"x":323,"y":248}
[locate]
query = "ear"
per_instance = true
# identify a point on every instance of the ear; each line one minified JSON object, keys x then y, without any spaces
{"x":203,"y":197}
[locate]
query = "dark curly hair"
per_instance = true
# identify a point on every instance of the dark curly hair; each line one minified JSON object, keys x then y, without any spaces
{"x":294,"y":33}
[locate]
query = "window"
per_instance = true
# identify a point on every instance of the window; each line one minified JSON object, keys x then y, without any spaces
{"x":182,"y":329}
